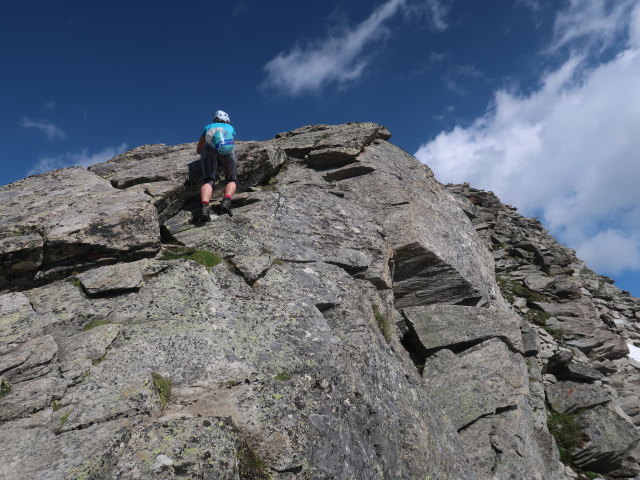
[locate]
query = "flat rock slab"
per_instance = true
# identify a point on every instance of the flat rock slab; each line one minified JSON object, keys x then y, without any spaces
{"x":30,"y":396}
{"x":475,"y":383}
{"x":33,"y":359}
{"x":580,"y":372}
{"x":538,"y":282}
{"x":120,"y":277}
{"x":81,"y":220}
{"x":330,"y":145}
{"x":611,"y":438}
{"x":19,"y":321}
{"x":508,"y":446}
{"x":567,"y":397}
{"x":439,"y":326}
{"x":78,"y":352}
{"x":204,"y":447}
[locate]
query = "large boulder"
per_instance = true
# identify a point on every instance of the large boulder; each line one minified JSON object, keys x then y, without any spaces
{"x":80,"y":221}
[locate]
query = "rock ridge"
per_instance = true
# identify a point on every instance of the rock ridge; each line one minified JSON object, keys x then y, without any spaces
{"x":346,"y":322}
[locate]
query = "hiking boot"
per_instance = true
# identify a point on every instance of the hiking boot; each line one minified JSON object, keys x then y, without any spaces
{"x":225,"y":206}
{"x":205,"y":215}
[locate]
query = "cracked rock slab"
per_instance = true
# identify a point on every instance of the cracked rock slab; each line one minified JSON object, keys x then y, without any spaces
{"x":30,"y":396}
{"x":120,"y":277}
{"x":82,"y":220}
{"x":33,"y":359}
{"x":19,"y":321}
{"x":203,"y":447}
{"x":508,"y":446}
{"x":79,"y":351}
{"x":440,"y":326}
{"x":611,"y":438}
{"x":476,"y":383}
{"x":568,"y":397}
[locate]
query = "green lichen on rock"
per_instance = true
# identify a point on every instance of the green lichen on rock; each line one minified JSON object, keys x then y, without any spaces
{"x":96,"y":322}
{"x":283,"y":376}
{"x":5,"y":387}
{"x":203,"y":257}
{"x":383,"y":323}
{"x":163,"y":387}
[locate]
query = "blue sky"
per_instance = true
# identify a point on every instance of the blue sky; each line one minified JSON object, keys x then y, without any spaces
{"x":533,"y":99}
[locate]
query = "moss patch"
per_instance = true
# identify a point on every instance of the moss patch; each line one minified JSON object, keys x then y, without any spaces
{"x":65,"y":417}
{"x":283,"y":376}
{"x":163,"y":387}
{"x":556,"y":333}
{"x":383,"y":323}
{"x":537,"y":316}
{"x":567,"y":433}
{"x":99,"y":360}
{"x":96,"y":322}
{"x":74,"y":281}
{"x":510,"y":290}
{"x":5,"y":387}
{"x":251,"y":466}
{"x":203,"y":257}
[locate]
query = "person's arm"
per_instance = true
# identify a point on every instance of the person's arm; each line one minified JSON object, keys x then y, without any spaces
{"x":201,"y":143}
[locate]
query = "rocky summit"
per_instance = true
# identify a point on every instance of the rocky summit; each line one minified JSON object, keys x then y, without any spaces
{"x":353,"y":319}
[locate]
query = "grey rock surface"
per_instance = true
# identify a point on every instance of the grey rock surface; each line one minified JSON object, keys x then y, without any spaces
{"x":81,"y":221}
{"x":112,"y":278}
{"x":568,"y":397}
{"x":478,"y":382}
{"x":610,"y":440}
{"x":354,"y":328}
{"x":439,"y":326}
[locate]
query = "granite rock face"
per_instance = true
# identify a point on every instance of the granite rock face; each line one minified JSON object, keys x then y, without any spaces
{"x":587,"y":378}
{"x":352,"y":329}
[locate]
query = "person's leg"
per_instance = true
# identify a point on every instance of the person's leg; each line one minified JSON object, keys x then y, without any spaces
{"x":206,"y":192}
{"x":209,"y":163}
{"x":230,"y":189}
{"x":230,"y":165}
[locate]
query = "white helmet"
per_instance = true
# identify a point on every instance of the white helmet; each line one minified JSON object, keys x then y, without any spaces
{"x":221,"y":116}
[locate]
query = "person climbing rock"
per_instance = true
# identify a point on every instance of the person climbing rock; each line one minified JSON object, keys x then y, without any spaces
{"x":215,"y":148}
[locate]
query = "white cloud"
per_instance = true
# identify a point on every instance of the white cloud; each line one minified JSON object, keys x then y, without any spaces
{"x":435,"y":12}
{"x":69,"y":159}
{"x":568,"y":151}
{"x":340,"y":58}
{"x":50,"y":130}
{"x":596,"y":22}
{"x":611,"y":251}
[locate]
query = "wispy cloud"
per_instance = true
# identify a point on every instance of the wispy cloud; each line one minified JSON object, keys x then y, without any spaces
{"x":434,"y":11}
{"x":50,"y":130}
{"x":596,"y":23}
{"x":69,"y":159}
{"x":568,"y":150}
{"x":452,"y":78}
{"x":342,"y":58}
{"x":49,"y":106}
{"x":533,"y":5}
